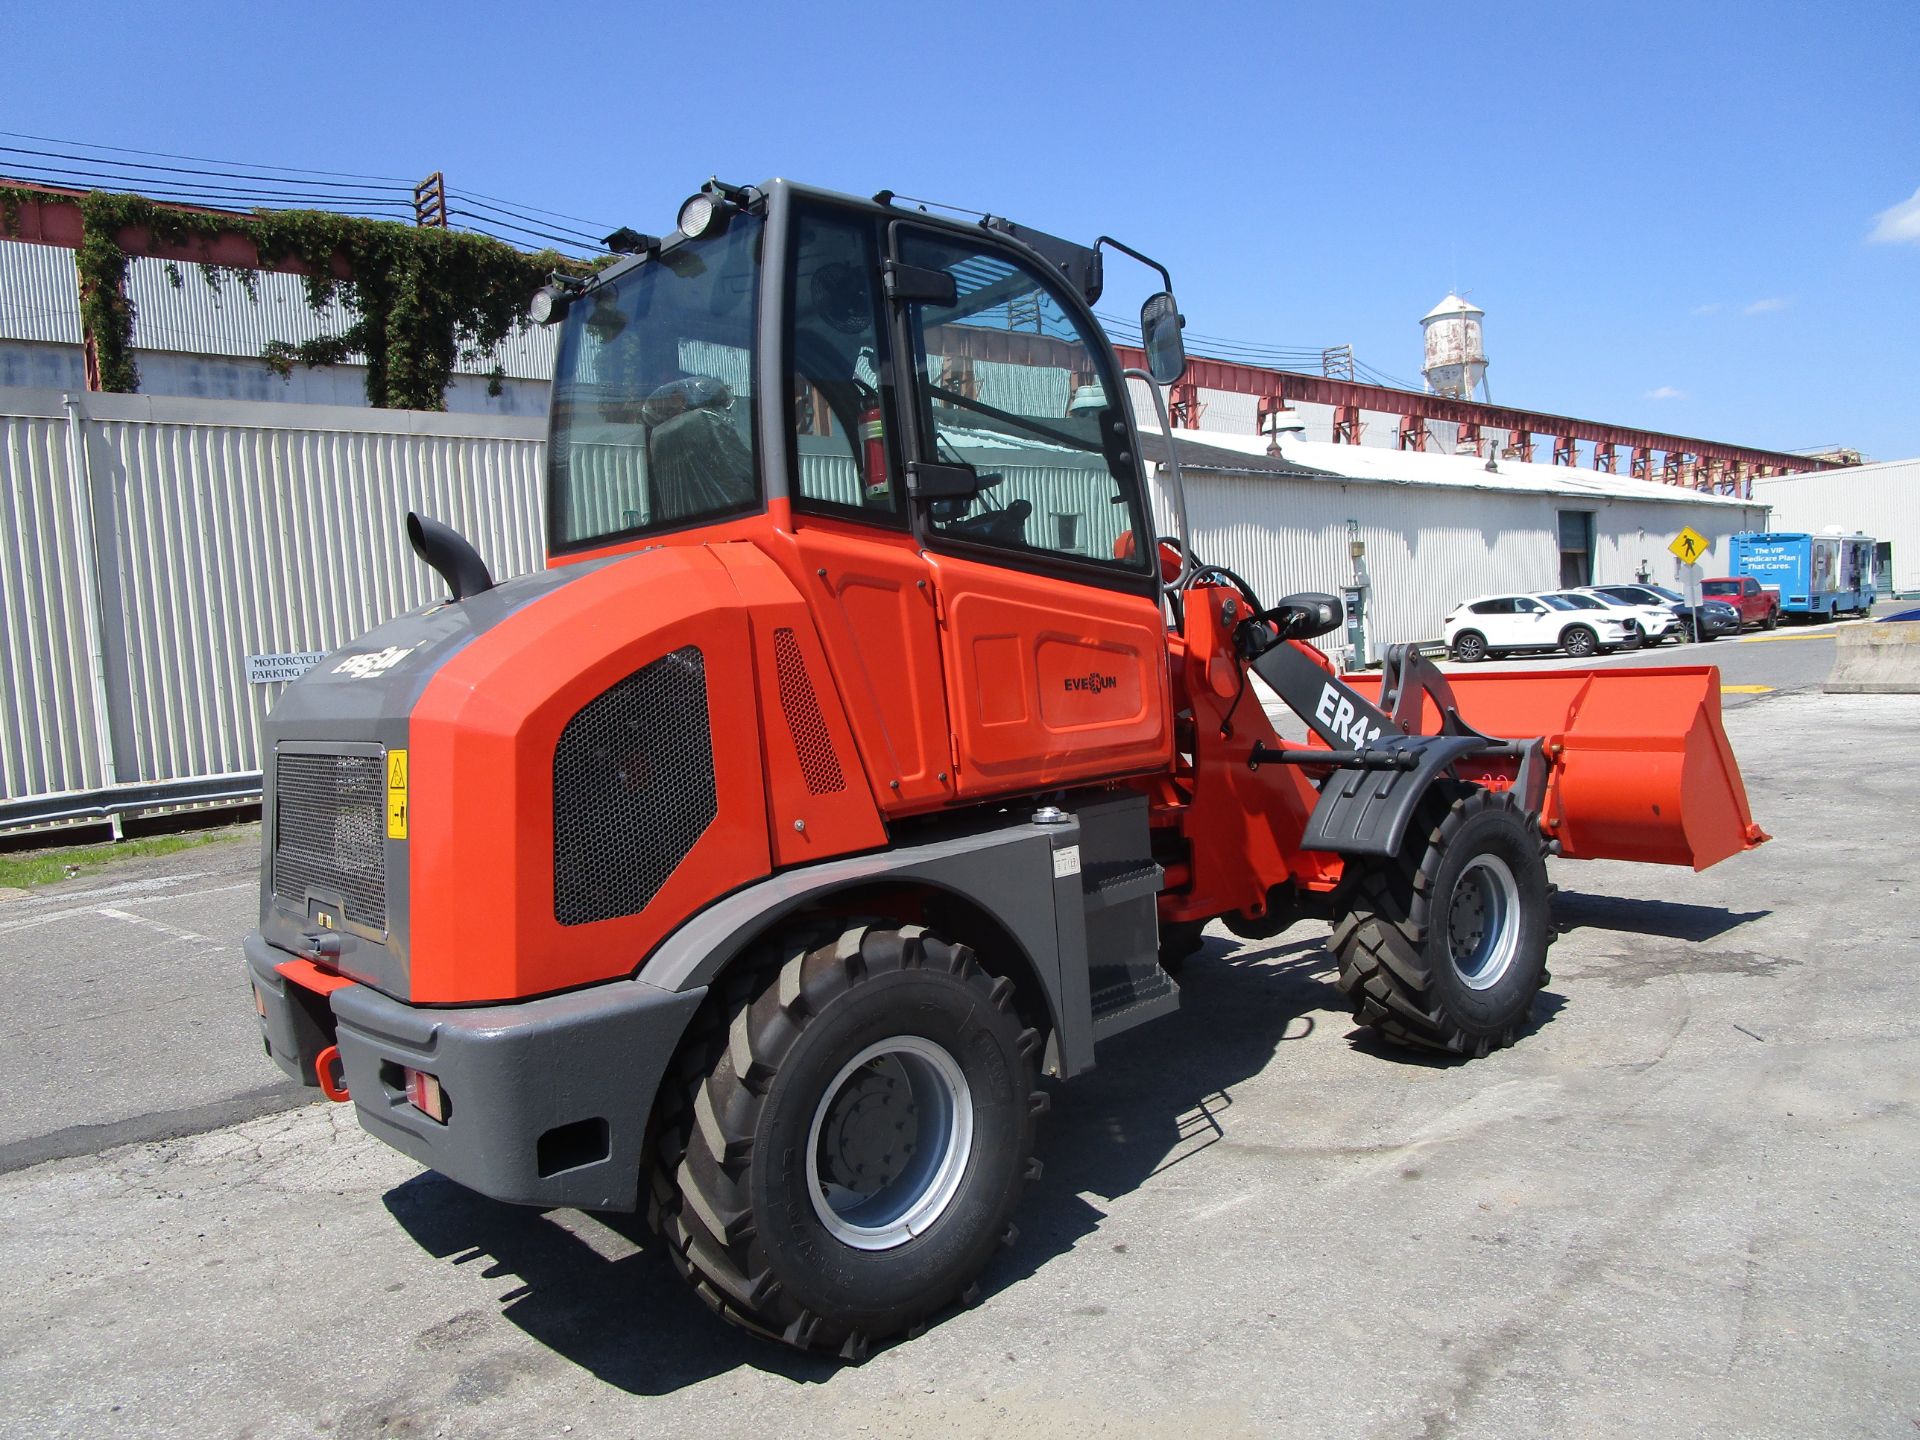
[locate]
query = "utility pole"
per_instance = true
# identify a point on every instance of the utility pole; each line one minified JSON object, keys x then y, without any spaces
{"x":430,"y":201}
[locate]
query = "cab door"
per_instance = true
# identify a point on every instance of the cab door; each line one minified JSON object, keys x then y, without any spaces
{"x":1052,"y":641}
{"x":861,"y":566}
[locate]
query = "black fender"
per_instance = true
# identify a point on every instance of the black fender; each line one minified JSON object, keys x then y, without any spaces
{"x":1381,"y":766}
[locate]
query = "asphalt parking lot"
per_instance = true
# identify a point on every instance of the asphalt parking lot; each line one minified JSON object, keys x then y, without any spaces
{"x":1682,"y":1205}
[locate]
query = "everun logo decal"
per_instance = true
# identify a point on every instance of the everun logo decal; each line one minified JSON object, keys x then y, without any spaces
{"x":1093,"y":682}
{"x":374,"y":662}
{"x":1336,"y":713}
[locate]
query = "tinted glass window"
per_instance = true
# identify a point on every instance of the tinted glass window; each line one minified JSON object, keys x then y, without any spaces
{"x":1493,"y":607}
{"x":1719,"y":587}
{"x":841,"y":419}
{"x":652,"y":422}
{"x":1011,"y":388}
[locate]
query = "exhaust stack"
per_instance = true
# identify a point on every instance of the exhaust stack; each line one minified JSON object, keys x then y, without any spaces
{"x":449,"y":553}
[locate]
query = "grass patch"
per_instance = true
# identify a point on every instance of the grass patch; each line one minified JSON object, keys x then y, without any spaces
{"x":42,"y":867}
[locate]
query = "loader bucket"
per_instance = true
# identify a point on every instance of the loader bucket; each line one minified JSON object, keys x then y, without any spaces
{"x":1640,"y":768}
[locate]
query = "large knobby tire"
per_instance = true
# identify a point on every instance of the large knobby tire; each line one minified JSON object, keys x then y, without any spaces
{"x":1469,"y":646}
{"x":1445,"y":945}
{"x":1579,"y":642}
{"x":850,"y":1131}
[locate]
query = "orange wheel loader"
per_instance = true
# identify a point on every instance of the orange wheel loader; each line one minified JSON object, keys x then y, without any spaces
{"x":862,"y":755}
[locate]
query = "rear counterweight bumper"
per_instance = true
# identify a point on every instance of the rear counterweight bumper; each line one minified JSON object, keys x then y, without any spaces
{"x":546,"y":1100}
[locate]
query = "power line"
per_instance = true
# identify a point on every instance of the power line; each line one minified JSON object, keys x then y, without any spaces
{"x":95,"y":160}
{"x":600,"y":225}
{"x":586,"y":239}
{"x":199,"y":159}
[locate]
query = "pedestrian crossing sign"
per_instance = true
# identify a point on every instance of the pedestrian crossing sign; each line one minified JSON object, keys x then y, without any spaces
{"x":1689,"y":545}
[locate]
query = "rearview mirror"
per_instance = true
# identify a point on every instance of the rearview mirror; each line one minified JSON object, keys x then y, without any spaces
{"x":1160,"y":326}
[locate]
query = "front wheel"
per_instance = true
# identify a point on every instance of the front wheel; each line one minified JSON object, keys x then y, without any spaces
{"x":1445,"y":945}
{"x":1580,"y":642}
{"x":853,"y":1128}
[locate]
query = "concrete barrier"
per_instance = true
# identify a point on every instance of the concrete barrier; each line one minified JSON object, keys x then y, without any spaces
{"x":1879,"y":659}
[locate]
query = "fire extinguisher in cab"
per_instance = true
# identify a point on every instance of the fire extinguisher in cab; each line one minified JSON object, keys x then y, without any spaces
{"x":873,"y":447}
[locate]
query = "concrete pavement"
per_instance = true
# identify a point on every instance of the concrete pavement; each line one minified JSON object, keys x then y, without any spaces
{"x":1682,"y":1205}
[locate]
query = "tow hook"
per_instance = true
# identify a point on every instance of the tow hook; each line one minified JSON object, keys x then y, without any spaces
{"x":332,"y":1075}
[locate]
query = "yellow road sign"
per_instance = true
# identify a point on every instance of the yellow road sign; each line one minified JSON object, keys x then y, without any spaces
{"x":1689,"y":545}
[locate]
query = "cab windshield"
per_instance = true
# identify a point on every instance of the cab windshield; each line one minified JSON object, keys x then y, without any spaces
{"x":652,"y":420}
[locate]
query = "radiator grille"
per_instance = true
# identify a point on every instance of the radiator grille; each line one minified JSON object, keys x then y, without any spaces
{"x":633,"y":789}
{"x":805,"y":724}
{"x":329,"y":832}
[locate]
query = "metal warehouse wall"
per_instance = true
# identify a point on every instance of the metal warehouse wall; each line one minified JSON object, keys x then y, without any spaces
{"x":148,"y":545}
{"x":1428,"y":546}
{"x":1878,"y":500}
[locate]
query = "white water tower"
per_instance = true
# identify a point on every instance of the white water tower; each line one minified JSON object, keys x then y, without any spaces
{"x":1456,"y":362}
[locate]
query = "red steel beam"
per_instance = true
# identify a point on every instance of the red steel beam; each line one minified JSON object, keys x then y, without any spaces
{"x":1348,"y":397}
{"x":52,"y":217}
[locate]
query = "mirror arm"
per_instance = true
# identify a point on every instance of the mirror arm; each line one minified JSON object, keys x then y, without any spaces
{"x":1179,"y":486}
{"x":1166,"y":280}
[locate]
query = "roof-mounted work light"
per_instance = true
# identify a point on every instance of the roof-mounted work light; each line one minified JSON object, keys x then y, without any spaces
{"x":551,"y":301}
{"x":704,"y":214}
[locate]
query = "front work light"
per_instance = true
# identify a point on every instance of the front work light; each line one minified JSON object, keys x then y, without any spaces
{"x":703,"y":214}
{"x":549,"y":303}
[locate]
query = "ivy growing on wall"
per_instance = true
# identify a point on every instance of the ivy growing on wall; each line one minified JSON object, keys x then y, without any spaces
{"x":421,"y":300}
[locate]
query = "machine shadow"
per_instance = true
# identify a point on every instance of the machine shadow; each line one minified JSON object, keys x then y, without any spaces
{"x":1159,"y":1096}
{"x":1164,"y":1093}
{"x":629,"y":1321}
{"x":1666,"y":919}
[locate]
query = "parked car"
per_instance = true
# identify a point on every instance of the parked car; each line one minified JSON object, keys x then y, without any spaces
{"x":1717,"y":617}
{"x":1655,"y":620}
{"x":1757,"y":604}
{"x":1495,"y":625}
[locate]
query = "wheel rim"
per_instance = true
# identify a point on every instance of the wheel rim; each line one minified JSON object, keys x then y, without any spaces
{"x":1483,"y":922}
{"x":1470,"y":647}
{"x":1580,"y":643}
{"x":889,"y":1143}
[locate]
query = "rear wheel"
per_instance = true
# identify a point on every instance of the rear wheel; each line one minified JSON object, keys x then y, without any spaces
{"x":1469,"y":646}
{"x":1579,"y":642}
{"x":1773,"y":619}
{"x":1445,"y":945}
{"x":852,"y":1130}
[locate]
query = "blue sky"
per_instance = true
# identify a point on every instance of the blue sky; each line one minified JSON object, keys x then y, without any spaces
{"x":1666,"y":210}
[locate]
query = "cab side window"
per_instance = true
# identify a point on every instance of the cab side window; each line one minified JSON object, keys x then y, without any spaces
{"x":1011,"y":388}
{"x":843,"y":415}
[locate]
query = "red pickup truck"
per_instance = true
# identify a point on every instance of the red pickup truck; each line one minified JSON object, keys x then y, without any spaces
{"x":1757,"y":604}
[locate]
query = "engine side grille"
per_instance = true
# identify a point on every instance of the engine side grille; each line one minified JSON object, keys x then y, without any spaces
{"x":805,"y":724}
{"x":329,"y":832}
{"x":633,"y":789}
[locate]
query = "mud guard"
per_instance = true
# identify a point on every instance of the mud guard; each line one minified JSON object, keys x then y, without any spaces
{"x":1381,"y":765}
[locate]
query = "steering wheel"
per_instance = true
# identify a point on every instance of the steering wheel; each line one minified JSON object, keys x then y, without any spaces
{"x":996,"y":527}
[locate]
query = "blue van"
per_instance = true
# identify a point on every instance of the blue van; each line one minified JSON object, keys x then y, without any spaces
{"x":1818,"y":576}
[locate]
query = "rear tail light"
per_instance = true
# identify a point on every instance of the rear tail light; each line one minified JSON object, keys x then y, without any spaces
{"x":426,"y":1096}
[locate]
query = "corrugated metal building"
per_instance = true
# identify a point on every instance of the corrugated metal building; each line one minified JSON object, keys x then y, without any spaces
{"x":1437,"y":529}
{"x":192,"y":339}
{"x":155,"y":550}
{"x":1880,"y":500}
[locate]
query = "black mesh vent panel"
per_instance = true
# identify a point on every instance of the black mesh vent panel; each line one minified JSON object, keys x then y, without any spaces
{"x":804,"y":722}
{"x":329,"y":832}
{"x":632,"y":790}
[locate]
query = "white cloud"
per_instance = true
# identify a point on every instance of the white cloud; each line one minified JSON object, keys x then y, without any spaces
{"x":1763,"y":306}
{"x":1898,"y":225}
{"x":1712,"y":307}
{"x":1666,"y":392}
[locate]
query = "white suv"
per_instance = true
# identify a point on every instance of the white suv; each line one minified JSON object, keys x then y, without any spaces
{"x":1497,"y":624}
{"x":1657,"y":622}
